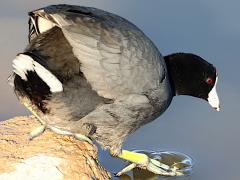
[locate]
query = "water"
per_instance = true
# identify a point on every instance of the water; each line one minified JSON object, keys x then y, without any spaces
{"x":171,"y":164}
{"x":179,"y":163}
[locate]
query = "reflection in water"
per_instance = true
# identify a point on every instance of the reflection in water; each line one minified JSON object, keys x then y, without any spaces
{"x":177,"y":162}
{"x":140,"y":174}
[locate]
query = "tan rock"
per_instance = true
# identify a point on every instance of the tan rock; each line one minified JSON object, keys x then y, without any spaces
{"x":48,"y":156}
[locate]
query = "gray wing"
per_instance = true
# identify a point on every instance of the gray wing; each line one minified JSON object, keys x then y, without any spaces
{"x":115,"y":56}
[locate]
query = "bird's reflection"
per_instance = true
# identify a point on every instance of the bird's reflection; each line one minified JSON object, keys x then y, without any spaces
{"x":140,"y":174}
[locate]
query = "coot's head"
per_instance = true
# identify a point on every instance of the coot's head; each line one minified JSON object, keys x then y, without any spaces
{"x":191,"y":75}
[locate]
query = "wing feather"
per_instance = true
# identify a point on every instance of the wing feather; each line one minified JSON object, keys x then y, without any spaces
{"x":115,"y":56}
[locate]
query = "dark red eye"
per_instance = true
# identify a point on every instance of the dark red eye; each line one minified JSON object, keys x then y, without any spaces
{"x":209,"y":81}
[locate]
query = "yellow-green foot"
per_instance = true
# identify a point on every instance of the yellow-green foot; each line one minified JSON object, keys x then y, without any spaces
{"x":83,"y":138}
{"x":142,"y":161}
{"x":36,"y":132}
{"x":39,"y":130}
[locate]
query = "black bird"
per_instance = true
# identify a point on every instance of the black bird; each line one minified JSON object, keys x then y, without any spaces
{"x":94,"y":75}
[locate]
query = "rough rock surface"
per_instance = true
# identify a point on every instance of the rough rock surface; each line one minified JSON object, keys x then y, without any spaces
{"x":48,"y":156}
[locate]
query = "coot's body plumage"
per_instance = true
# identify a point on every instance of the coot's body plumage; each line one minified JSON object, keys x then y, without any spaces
{"x":92,"y":72}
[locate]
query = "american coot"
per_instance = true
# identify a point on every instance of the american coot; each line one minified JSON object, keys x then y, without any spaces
{"x":94,"y":75}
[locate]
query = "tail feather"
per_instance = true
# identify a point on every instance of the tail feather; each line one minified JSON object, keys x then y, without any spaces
{"x":22,"y":64}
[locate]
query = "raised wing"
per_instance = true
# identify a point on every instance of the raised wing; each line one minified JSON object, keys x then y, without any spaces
{"x":115,"y":56}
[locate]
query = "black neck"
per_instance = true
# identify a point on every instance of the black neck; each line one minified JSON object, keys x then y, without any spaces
{"x":173,"y":71}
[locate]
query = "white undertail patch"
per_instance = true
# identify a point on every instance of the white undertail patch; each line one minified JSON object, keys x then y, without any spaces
{"x":24,"y":63}
{"x":44,"y":24}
